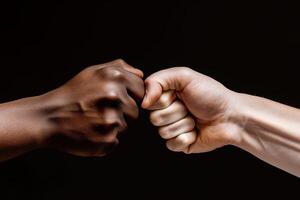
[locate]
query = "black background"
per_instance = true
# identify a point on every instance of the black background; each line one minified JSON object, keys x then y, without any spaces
{"x":251,"y":47}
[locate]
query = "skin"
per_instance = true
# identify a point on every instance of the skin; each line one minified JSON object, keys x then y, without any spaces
{"x":196,"y":114}
{"x":83,"y":117}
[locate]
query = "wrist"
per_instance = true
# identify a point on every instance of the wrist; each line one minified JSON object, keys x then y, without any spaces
{"x":246,"y":116}
{"x":51,"y":103}
{"x":236,"y":118}
{"x":38,"y":112}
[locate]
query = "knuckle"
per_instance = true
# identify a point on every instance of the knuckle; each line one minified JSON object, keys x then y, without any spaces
{"x":112,"y":95}
{"x":164,"y":132}
{"x":113,"y":73}
{"x":178,"y":105}
{"x":120,"y":62}
{"x":181,"y":109}
{"x":183,"y":68}
{"x":185,"y":71}
{"x":190,"y":122}
{"x":148,"y":81}
{"x":155,"y":119}
{"x":170,"y":146}
{"x":183,"y":139}
{"x":166,"y":100}
{"x":89,"y":69}
{"x":109,"y":123}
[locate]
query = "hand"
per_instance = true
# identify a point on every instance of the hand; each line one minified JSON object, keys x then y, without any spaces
{"x":88,"y":112}
{"x":193,"y":111}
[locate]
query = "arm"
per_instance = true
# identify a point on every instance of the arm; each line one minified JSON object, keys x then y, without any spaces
{"x":268,"y":130}
{"x":83,"y":117}
{"x":23,"y":126}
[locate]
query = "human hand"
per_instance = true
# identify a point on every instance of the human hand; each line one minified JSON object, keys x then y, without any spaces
{"x":89,"y":111}
{"x":194,"y":112}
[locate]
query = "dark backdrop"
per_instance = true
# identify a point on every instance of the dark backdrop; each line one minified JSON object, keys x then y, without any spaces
{"x":247,"y":46}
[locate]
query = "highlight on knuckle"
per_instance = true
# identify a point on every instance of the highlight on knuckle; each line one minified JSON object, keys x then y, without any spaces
{"x":155,"y":118}
{"x":120,"y":62}
{"x":190,"y":122}
{"x":112,"y":73}
{"x":164,"y":132}
{"x":183,"y":139}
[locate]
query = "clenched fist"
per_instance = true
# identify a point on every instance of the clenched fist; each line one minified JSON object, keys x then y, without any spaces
{"x":83,"y":117}
{"x":192,"y":111}
{"x":91,"y":108}
{"x":195,"y":114}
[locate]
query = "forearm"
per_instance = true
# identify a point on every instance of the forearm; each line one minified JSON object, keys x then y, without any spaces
{"x":23,"y":126}
{"x":270,"y":131}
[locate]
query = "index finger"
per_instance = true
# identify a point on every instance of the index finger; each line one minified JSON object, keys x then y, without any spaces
{"x":134,"y":84}
{"x":121,"y":63}
{"x":164,"y":100}
{"x":127,"y":67}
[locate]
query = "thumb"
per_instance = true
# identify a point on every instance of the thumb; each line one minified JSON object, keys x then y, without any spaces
{"x":153,"y":92}
{"x":175,"y":78}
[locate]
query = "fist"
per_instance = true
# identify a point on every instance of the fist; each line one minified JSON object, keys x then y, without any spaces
{"x":193,"y":111}
{"x":89,"y":111}
{"x":175,"y":124}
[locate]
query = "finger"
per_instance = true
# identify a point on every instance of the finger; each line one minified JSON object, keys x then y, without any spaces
{"x":126,"y":66}
{"x":134,"y":84}
{"x":133,"y":70}
{"x":86,"y":148}
{"x":171,"y":114}
{"x":93,"y":127}
{"x":164,"y":101}
{"x":181,"y":142}
{"x":109,"y":106}
{"x":107,"y":126}
{"x":129,"y":106}
{"x":103,"y":133}
{"x":120,"y":63}
{"x":111,"y":116}
{"x":117,"y":93}
{"x":153,"y":93}
{"x":173,"y":78}
{"x":182,"y":126}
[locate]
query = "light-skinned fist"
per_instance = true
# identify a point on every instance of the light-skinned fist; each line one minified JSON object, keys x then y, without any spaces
{"x":193,"y":112}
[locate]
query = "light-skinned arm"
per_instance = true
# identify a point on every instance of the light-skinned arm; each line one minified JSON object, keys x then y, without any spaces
{"x":195,"y":114}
